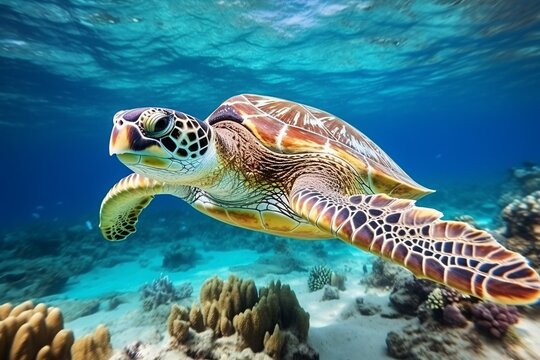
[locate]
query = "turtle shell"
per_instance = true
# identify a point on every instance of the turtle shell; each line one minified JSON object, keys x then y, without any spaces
{"x":289,"y":127}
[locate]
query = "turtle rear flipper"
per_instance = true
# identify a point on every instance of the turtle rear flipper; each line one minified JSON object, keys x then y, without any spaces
{"x":123,"y":204}
{"x":448,"y":252}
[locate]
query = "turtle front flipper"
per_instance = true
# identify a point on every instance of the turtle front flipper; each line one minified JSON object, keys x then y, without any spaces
{"x":122,"y":205}
{"x":448,"y":252}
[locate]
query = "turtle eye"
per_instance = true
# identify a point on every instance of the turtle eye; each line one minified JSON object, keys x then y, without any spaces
{"x":158,"y":125}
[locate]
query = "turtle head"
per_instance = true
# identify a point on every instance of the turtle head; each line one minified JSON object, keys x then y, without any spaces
{"x":163,"y":144}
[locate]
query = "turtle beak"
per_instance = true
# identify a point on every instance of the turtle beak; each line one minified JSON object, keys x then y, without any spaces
{"x":127,"y":141}
{"x":119,"y":142}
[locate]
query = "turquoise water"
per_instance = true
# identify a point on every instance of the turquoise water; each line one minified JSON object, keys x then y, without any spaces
{"x":449,"y":89}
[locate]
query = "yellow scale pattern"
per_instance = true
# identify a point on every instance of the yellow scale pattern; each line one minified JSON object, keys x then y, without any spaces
{"x":272,"y":222}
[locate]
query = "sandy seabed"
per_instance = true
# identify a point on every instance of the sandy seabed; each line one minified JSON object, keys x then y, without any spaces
{"x":335,"y":333}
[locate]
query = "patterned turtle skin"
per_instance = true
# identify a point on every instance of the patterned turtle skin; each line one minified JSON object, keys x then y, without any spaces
{"x":292,"y":170}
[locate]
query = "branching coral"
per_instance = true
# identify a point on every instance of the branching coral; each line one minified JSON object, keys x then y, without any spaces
{"x":185,"y":290}
{"x":494,"y":319}
{"x":162,"y":291}
{"x":318,"y":277}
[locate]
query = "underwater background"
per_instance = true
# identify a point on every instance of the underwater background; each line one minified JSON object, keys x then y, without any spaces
{"x":449,"y":89}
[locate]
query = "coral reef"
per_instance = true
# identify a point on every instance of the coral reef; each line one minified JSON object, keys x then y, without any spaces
{"x":180,"y":258}
{"x":268,"y":321}
{"x":428,"y":341}
{"x":409,"y":292}
{"x":493,"y":319}
{"x":452,"y":335}
{"x":37,"y":332}
{"x":162,"y":291}
{"x":132,"y":351}
{"x":338,"y":281}
{"x":442,"y":296}
{"x":34,"y":279}
{"x":206,"y":346}
{"x":31,"y":254}
{"x":383,"y":274}
{"x":290,"y":316}
{"x":28,"y":332}
{"x":330,"y":293}
{"x":178,"y":323}
{"x":452,"y":296}
{"x":96,"y":346}
{"x":528,"y":177}
{"x":221,"y":301}
{"x":185,"y":290}
{"x":522,"y":218}
{"x":365,"y":308}
{"x":446,"y":324}
{"x":523,"y":181}
{"x":319,"y":276}
{"x":453,"y":317}
{"x":435,"y":299}
{"x":273,"y":343}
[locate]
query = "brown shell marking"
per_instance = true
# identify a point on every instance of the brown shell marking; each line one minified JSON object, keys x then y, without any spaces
{"x":289,"y":127}
{"x":449,"y":252}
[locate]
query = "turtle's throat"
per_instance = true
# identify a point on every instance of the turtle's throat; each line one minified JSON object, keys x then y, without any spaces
{"x":209,"y":170}
{"x":222,"y":180}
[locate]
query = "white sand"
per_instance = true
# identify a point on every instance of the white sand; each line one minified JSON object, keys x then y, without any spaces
{"x":358,"y":337}
{"x":529,"y":330}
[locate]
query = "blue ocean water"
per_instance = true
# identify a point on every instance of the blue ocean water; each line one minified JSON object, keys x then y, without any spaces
{"x":449,"y":89}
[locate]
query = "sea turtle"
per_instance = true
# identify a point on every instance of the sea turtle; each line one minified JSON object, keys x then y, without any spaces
{"x":289,"y":169}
